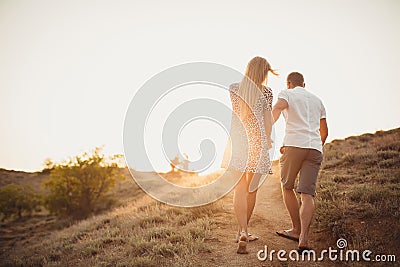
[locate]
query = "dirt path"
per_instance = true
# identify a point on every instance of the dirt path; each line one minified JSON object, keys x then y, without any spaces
{"x":269,"y":216}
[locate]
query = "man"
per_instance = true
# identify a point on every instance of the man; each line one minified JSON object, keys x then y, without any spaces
{"x":305,"y":134}
{"x":174,"y":163}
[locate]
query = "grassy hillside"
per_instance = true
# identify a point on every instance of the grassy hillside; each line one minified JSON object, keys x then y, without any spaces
{"x":140,"y":232}
{"x":358,"y":198}
{"x":22,"y":178}
{"x":359,"y":192}
{"x":143,"y":233}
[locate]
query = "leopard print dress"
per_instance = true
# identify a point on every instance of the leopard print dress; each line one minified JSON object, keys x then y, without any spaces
{"x":248,"y":146}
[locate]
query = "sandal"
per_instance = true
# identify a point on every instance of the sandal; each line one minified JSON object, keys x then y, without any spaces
{"x":250,"y":238}
{"x":303,"y":248}
{"x":242,"y":244}
{"x":288,"y":235}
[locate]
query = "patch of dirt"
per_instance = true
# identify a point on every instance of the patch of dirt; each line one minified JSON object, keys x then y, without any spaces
{"x":270,"y":215}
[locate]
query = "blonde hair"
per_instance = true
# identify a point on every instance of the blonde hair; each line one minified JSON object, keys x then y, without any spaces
{"x":250,"y":88}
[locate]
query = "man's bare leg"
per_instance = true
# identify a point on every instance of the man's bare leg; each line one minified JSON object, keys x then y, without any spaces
{"x":306,"y":214}
{"x":292,"y":205}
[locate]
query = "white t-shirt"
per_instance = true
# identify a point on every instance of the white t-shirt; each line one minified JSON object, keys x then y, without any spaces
{"x":302,"y":118}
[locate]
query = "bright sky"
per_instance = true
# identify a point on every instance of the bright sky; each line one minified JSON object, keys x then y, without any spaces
{"x":68,"y":69}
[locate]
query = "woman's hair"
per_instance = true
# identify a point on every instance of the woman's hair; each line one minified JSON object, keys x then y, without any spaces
{"x":250,"y":88}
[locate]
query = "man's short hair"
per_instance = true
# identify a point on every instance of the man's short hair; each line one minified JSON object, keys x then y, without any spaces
{"x":296,"y":79}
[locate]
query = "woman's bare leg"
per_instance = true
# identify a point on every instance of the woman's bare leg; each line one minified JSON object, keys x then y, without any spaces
{"x":240,"y":203}
{"x":251,"y":198}
{"x":253,"y":180}
{"x":240,"y":207}
{"x":251,"y":202}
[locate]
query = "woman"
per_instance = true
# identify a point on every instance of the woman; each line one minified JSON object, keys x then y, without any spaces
{"x":250,"y":141}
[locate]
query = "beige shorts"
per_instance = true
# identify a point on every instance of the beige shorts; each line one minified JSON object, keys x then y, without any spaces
{"x":307,"y":161}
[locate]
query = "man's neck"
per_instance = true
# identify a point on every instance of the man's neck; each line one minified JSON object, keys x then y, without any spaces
{"x":290,"y":88}
{"x":301,"y":87}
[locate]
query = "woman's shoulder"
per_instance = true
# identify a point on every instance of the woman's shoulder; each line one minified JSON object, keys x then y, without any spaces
{"x":267,"y":91}
{"x":234,"y":87}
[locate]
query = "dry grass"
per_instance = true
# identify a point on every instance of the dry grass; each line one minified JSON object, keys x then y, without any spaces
{"x":141,"y":232}
{"x":358,"y":199}
{"x":191,"y":180}
{"x":359,"y":191}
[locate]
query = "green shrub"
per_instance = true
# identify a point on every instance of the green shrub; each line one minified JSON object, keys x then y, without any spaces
{"x":79,"y":186}
{"x":15,"y":200}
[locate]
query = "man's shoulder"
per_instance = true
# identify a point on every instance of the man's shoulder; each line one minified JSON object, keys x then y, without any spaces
{"x":283,"y":93}
{"x":316,"y":100}
{"x":313,"y":95}
{"x":316,"y":97}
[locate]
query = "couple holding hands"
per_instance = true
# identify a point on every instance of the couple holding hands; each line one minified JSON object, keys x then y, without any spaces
{"x":250,"y":140}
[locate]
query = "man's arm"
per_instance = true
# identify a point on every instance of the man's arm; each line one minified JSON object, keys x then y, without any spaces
{"x":323,"y":130}
{"x":278,"y":108}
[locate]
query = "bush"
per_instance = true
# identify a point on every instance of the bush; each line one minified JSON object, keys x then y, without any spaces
{"x":48,"y":166}
{"x":15,"y":200}
{"x":79,"y":186}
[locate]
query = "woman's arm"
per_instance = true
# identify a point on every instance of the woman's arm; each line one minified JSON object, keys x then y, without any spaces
{"x":268,"y":121}
{"x":268,"y":118}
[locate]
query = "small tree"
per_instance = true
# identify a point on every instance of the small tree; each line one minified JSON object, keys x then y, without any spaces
{"x":48,"y":165}
{"x":16,"y":200}
{"x":79,"y":186}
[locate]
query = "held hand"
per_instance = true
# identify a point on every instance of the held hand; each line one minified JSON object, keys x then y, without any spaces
{"x":269,"y":143}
